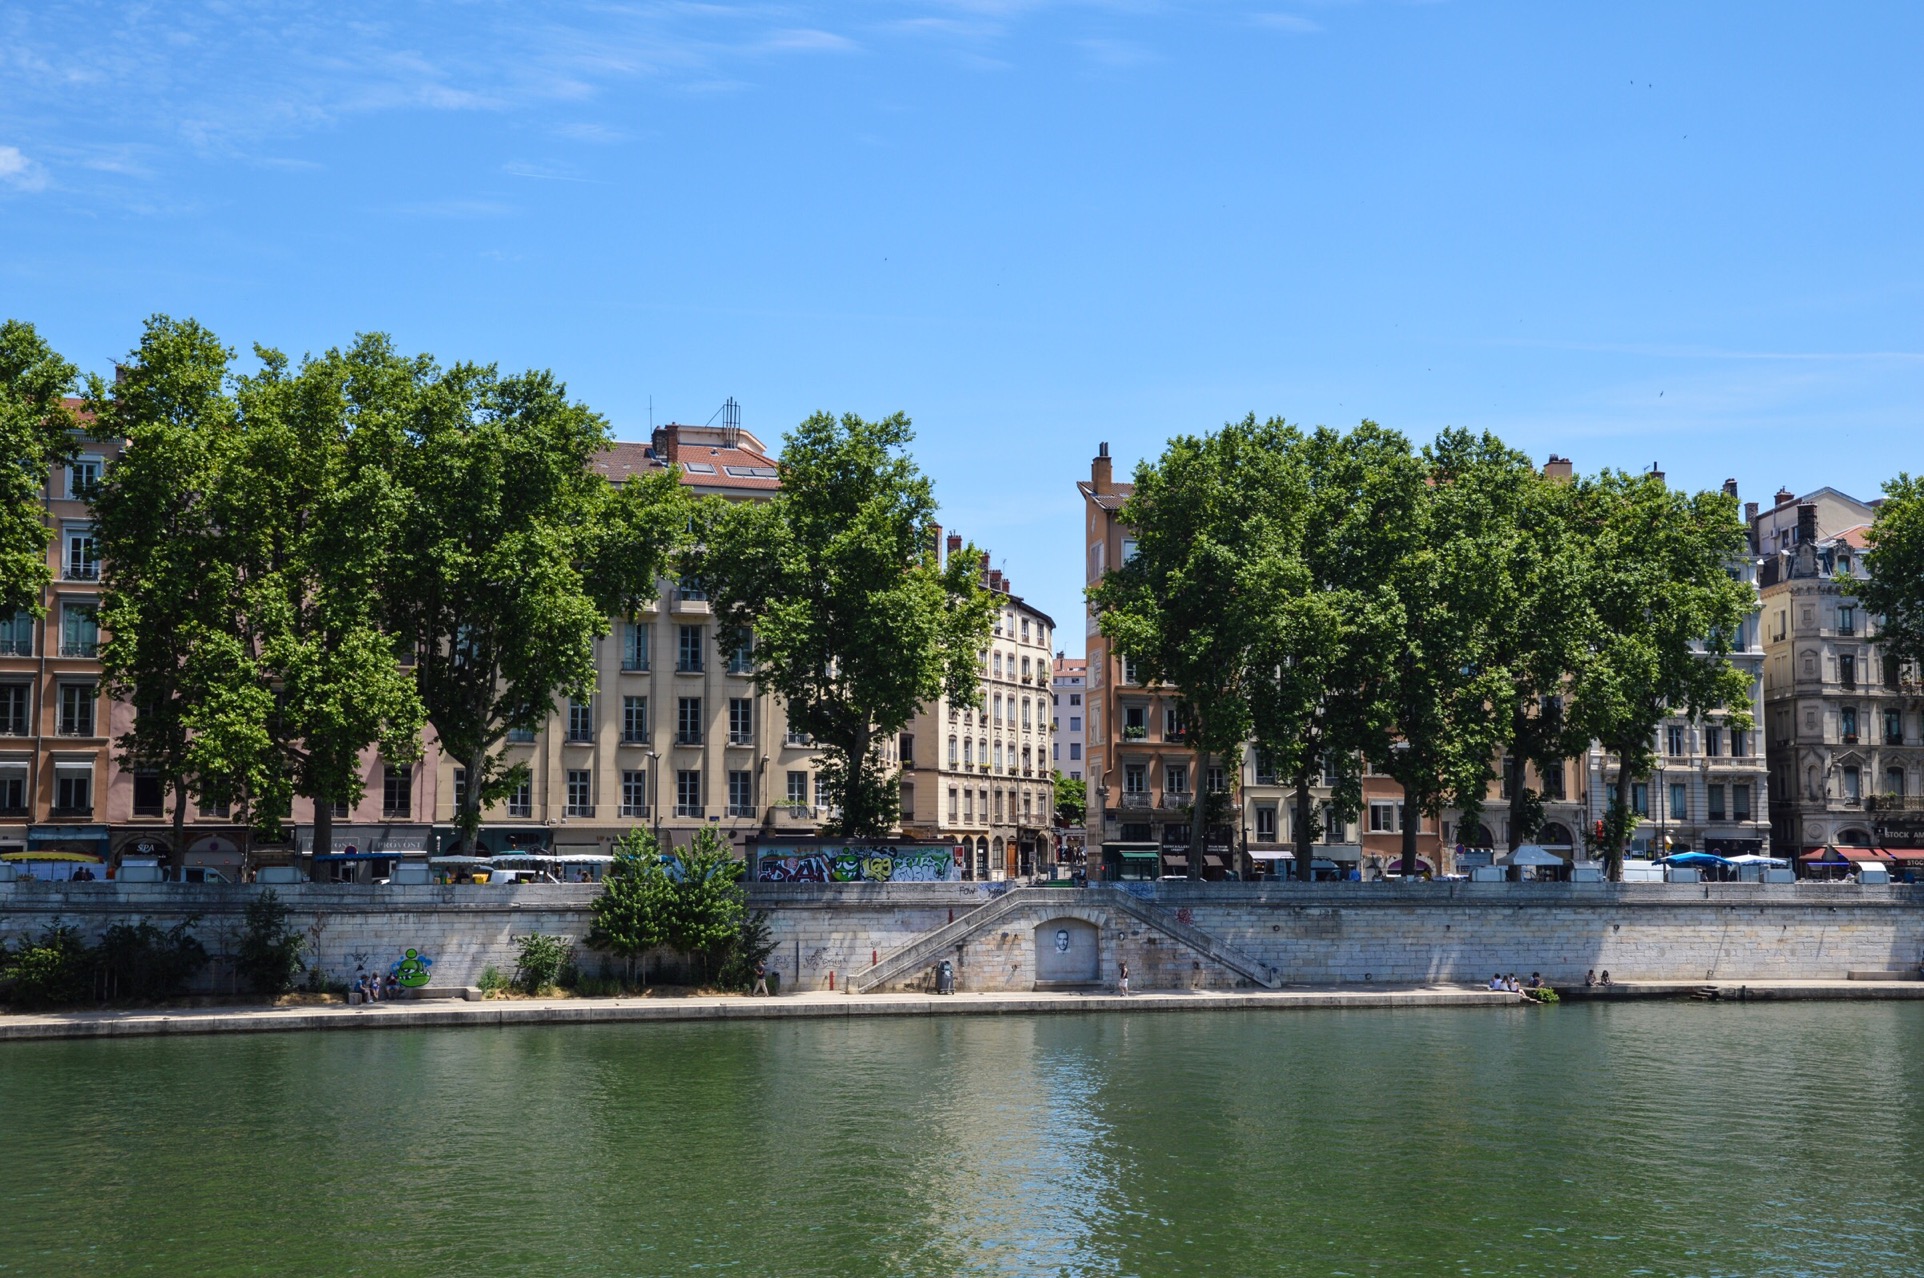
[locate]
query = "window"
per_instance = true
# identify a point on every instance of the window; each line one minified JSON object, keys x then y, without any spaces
{"x":1553,"y":780}
{"x":1740,"y":803}
{"x":13,"y":709}
{"x":1383,"y":818}
{"x":1135,"y":779}
{"x":1853,"y":785}
{"x":207,"y":807}
{"x":1135,"y":723}
{"x":1265,"y":825}
{"x":968,"y":752}
{"x":1172,"y":723}
{"x":1055,"y":752}
{"x":691,"y":588}
{"x":955,"y":755}
{"x":1025,"y":660}
{"x":13,"y":789}
{"x":1846,"y":613}
{"x":1075,"y":723}
{"x":1893,"y":727}
{"x":798,"y":790}
{"x":1673,"y":740}
{"x":688,"y":721}
{"x":1025,"y":712}
{"x":1739,"y":743}
{"x":742,"y":660}
{"x":1679,"y":808}
{"x":634,"y":720}
{"x":581,"y":720}
{"x":81,"y":564}
{"x":521,"y":800}
{"x":1847,"y":722}
{"x":1713,"y":741}
{"x":79,"y":631}
{"x":1128,"y":549}
{"x":953,"y":808}
{"x":1218,"y":781}
{"x":905,"y":749}
{"x":73,"y":790}
{"x":741,"y":721}
{"x":1075,"y":698}
{"x":1129,"y":670}
{"x":460,"y":788}
{"x":16,"y":634}
{"x":149,"y":800}
{"x":998,"y":756}
{"x":76,"y":710}
{"x":998,"y":709}
{"x":688,"y":653}
{"x":634,"y":646}
{"x":1028,"y":810}
{"x":634,"y":793}
{"x":1714,"y":796}
{"x":1640,"y":798}
{"x":1332,"y":770}
{"x":1847,"y":671}
{"x":997,"y":661}
{"x":741,"y":793}
{"x":968,"y":806}
{"x":397,"y":791}
{"x":998,"y":807}
{"x":907,"y":807}
{"x":1075,"y":749}
{"x":1175,"y":778}
{"x":1894,"y":782}
{"x":1335,"y":829}
{"x":82,"y":474}
{"x":688,"y":797}
{"x":1025,"y":639}
{"x":581,"y":792}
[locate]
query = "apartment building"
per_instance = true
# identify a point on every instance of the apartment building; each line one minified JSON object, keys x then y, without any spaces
{"x":1068,"y":683}
{"x":978,"y":775}
{"x":1843,"y":726}
{"x":675,"y":737}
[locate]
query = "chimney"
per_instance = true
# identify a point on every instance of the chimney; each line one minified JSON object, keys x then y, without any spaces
{"x":668,"y":444}
{"x":935,"y":543}
{"x":1656,"y":472}
{"x":1557,"y":467}
{"x":955,"y":543}
{"x":1785,"y":497}
{"x":1101,"y":477}
{"x":1730,"y":488}
{"x":1750,"y":511}
{"x":995,"y":580}
{"x":984,"y":570}
{"x":1807,"y":524}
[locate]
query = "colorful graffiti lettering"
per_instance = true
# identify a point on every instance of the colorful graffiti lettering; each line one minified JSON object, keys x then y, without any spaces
{"x":861,"y":865}
{"x":410,"y":971}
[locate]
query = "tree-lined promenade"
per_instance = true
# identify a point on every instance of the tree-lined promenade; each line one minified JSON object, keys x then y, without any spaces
{"x":309,"y":561}
{"x":1344,"y":599}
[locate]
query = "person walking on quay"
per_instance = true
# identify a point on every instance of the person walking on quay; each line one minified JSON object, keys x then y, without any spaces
{"x":1122,"y":977}
{"x":761,"y":979}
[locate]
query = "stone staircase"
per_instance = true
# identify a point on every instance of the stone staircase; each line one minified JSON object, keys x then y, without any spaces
{"x":930,"y":948}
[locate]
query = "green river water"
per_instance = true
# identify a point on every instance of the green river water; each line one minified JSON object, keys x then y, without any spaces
{"x":1653,"y":1139}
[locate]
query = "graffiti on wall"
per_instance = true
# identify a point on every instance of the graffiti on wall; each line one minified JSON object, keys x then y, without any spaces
{"x":860,"y":865}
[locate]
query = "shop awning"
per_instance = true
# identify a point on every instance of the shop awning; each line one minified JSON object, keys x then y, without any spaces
{"x":1347,"y":853}
{"x":1905,"y":854}
{"x":1838,"y":855}
{"x":1271,"y":854}
{"x":51,"y":854}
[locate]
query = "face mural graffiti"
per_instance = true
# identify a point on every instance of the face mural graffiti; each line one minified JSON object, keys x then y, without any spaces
{"x":410,"y":971}
{"x":859,"y":865}
{"x":1062,"y":940}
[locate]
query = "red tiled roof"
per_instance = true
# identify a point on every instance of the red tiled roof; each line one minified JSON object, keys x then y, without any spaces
{"x":702,"y":466}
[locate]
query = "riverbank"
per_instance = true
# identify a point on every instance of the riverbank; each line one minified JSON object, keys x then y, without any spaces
{"x":822,"y":1006}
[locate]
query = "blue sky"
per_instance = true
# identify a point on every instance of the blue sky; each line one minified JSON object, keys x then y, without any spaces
{"x":1630,"y":233}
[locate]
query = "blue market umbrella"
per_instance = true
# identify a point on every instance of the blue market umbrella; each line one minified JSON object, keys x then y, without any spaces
{"x":1694,"y":858}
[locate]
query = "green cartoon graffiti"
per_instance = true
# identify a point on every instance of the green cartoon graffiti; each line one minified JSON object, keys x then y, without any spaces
{"x":411,"y":970}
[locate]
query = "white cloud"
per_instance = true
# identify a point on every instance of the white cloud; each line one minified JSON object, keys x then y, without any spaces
{"x":1293,"y":23}
{"x":807,"y":40}
{"x":19,"y":172}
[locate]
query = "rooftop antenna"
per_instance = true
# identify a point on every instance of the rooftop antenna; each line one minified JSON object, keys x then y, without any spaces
{"x":651,"y":414}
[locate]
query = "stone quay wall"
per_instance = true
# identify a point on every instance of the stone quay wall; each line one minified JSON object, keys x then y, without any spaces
{"x":1318,"y":934}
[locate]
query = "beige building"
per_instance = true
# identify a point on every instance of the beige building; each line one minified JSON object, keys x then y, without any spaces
{"x":1844,"y":727}
{"x":979,"y":775}
{"x":676,"y":736}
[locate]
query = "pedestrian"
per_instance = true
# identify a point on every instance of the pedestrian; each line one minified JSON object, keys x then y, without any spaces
{"x":390,"y":987}
{"x":359,"y":988}
{"x":1590,"y":978}
{"x":761,"y":979}
{"x":1606,"y":978}
{"x":1536,"y":980}
{"x":1496,"y":981}
{"x":1122,"y":977}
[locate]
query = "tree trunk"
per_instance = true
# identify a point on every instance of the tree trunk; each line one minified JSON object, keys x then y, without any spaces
{"x":1305,"y":846}
{"x":468,"y":819}
{"x":177,"y":854}
{"x":323,"y":825}
{"x":1411,"y":816}
{"x":1199,"y":814}
{"x":1618,"y":829}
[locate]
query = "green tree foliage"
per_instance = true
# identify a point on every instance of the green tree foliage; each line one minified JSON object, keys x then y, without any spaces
{"x":163,"y":573}
{"x":709,"y":903}
{"x":509,"y":554}
{"x":268,"y":958}
{"x":1193,"y":608}
{"x":299,"y":676}
{"x":143,"y":963}
{"x":855,"y":622}
{"x":35,"y":436}
{"x":54,"y":970}
{"x":1667,"y":606}
{"x":1337,"y":615}
{"x":1071,"y":799}
{"x":632,"y":909}
{"x":1895,"y":591}
{"x":541,"y":961}
{"x":753,"y":942}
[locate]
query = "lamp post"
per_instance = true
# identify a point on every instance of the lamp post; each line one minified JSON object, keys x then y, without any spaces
{"x":1663,"y":814}
{"x":654,"y":793}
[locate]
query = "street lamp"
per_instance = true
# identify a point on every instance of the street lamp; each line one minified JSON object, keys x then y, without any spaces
{"x":1663,"y":814}
{"x":654,"y":792}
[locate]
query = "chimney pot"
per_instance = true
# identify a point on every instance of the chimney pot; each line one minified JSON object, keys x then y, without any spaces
{"x":1785,"y":496}
{"x":1557,"y":467}
{"x":1101,"y":471}
{"x":1730,"y":488}
{"x":1807,"y":523}
{"x":1750,"y":510}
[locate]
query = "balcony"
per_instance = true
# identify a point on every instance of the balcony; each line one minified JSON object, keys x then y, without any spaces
{"x":688,"y":737}
{"x":1135,"y":798}
{"x":634,"y":810}
{"x":15,"y":812}
{"x":80,"y":647}
{"x":580,"y":810}
{"x":16,"y":647}
{"x":1850,"y":738}
{"x":81,"y":812}
{"x":749,"y":810}
{"x":1135,"y":732}
{"x":1894,"y":803}
{"x":76,"y":728}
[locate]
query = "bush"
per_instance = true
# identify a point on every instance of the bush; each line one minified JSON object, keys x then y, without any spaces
{"x":541,"y":962}
{"x":139,"y":961}
{"x":269,"y":956}
{"x":492,"y":982}
{"x":1543,"y":995}
{"x":753,"y":943}
{"x":55,"y":971}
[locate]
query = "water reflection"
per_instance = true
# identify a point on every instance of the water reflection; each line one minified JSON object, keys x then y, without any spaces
{"x":1689,"y":1139}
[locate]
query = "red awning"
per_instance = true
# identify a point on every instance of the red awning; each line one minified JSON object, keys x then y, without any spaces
{"x":1904,"y":854}
{"x":1846,"y":854}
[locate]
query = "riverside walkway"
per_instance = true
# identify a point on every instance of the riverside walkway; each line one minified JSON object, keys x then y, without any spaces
{"x":446,"y":1012}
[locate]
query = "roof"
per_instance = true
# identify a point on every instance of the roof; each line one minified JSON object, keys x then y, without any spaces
{"x":711,"y":460}
{"x":1072,"y":665}
{"x":1111,"y":500}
